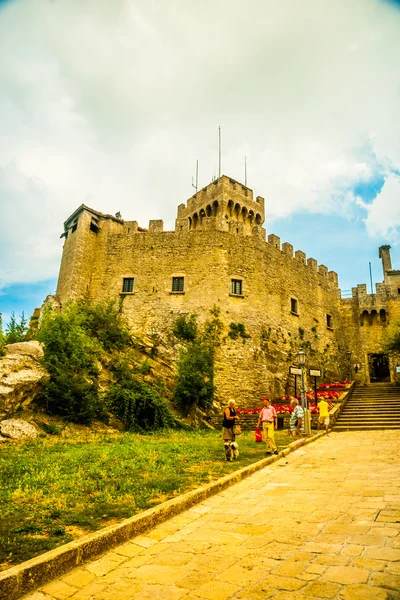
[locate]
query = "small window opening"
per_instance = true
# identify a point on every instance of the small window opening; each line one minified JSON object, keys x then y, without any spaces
{"x":94,"y":227}
{"x":127,"y":286}
{"x":236,"y":287}
{"x":329,"y":321}
{"x":177,"y":284}
{"x":74,"y":226}
{"x":398,"y":290}
{"x":294,"y":306}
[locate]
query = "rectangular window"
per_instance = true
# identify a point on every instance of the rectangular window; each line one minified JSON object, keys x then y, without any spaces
{"x":177,"y":284}
{"x":74,"y":226}
{"x":236,"y":287}
{"x":329,"y":321}
{"x":127,"y":286}
{"x":294,"y":306}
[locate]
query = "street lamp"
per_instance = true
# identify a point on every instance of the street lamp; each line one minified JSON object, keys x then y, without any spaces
{"x":301,"y":358}
{"x":349,"y":364}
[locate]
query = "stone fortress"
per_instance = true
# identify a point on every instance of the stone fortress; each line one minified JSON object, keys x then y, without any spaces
{"x":219,"y":255}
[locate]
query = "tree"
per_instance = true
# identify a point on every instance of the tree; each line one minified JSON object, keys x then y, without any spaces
{"x":15,"y":332}
{"x":194,"y":386}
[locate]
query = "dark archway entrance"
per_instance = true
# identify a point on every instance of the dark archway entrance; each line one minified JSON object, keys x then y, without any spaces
{"x":378,"y":367}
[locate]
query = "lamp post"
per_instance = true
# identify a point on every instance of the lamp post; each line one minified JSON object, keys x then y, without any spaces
{"x":349,"y":364}
{"x":301,"y":358}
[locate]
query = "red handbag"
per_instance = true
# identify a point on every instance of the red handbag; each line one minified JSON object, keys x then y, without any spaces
{"x":258,"y":435}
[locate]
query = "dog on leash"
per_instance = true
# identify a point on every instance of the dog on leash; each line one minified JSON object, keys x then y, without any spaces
{"x":231,"y":450}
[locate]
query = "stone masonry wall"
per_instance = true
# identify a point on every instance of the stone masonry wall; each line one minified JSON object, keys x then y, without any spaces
{"x":94,"y":265}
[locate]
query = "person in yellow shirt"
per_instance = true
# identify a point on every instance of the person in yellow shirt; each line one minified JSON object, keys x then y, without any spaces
{"x":323,"y":418}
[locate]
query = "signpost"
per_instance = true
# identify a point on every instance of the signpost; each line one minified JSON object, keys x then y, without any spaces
{"x":315,"y":373}
{"x":295,"y":371}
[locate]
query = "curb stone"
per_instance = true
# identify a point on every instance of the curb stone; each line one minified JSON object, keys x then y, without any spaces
{"x":33,"y":573}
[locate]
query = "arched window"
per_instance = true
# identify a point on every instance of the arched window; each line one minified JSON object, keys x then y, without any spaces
{"x":382,"y":315}
{"x":374,"y":317}
{"x":230,"y":207}
{"x":364,"y":318}
{"x":258,"y":219}
{"x":208,"y":211}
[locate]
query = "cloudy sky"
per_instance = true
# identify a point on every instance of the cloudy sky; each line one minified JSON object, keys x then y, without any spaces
{"x":111,"y":102}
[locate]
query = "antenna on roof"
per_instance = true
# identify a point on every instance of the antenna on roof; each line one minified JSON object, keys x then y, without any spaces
{"x":370,"y":276}
{"x":197,"y":176}
{"x":219,"y":151}
{"x":245,"y":171}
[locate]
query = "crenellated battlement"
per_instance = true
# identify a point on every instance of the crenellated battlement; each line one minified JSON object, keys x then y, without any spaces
{"x":301,"y":257}
{"x":227,"y":203}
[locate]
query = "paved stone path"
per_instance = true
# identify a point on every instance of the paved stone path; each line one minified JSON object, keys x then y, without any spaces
{"x":323,"y":522}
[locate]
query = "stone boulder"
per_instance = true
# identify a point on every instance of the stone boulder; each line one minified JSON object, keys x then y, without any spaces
{"x":21,"y":375}
{"x":17,"y":429}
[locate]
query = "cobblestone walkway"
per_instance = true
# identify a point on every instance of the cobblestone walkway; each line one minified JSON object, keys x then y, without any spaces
{"x":323,"y":522}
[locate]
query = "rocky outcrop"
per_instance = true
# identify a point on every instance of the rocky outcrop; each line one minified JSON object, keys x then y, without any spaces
{"x":21,"y":376}
{"x":17,"y":429}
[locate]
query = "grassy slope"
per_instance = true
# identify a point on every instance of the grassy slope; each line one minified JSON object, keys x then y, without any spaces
{"x":53,"y":490}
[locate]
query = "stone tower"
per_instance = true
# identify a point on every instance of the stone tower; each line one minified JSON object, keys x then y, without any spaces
{"x":225,"y":205}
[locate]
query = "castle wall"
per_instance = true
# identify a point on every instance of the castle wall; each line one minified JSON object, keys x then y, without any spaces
{"x":284,"y":300}
{"x":366,"y":318}
{"x":208,"y":260}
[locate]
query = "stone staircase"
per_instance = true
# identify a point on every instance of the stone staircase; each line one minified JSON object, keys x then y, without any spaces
{"x":374,"y":406}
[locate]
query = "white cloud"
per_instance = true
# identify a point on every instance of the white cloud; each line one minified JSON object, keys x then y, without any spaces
{"x":111,"y":103}
{"x":384,"y":212}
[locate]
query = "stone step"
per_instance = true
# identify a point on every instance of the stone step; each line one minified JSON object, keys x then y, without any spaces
{"x":341,"y":422}
{"x":339,"y":428}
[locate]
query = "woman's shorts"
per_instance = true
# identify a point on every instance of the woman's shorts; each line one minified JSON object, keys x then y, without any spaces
{"x":323,"y":420}
{"x":227,"y":433}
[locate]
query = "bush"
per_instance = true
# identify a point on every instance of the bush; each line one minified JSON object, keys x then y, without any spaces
{"x":139,"y":407}
{"x":69,"y":356}
{"x":195,"y":377}
{"x":104,"y":321}
{"x":237,"y":330}
{"x":185,"y":328}
{"x":195,"y":369}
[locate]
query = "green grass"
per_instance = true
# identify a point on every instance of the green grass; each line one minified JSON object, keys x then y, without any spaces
{"x":54,"y":490}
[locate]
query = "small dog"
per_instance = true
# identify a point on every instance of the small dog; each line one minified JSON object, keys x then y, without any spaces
{"x":231,"y":450}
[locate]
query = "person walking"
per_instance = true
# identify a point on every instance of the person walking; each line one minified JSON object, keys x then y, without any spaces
{"x":323,"y":418}
{"x":296,"y":423}
{"x":230,"y":417}
{"x":269,"y":422}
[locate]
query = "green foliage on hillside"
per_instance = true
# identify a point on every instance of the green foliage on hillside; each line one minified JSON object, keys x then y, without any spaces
{"x":140,"y":407}
{"x":76,"y":341}
{"x":195,"y":368}
{"x":70,"y":354}
{"x":15,"y":331}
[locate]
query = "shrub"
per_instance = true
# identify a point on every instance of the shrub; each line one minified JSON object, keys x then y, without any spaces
{"x":69,"y":356}
{"x":195,"y":377}
{"x":185,"y":328}
{"x":104,"y":321}
{"x":237,"y":330}
{"x":139,"y":407}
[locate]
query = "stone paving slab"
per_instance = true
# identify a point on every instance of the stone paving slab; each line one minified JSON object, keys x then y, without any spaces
{"x":323,"y":522}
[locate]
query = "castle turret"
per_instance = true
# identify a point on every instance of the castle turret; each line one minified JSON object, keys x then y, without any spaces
{"x":224,"y":204}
